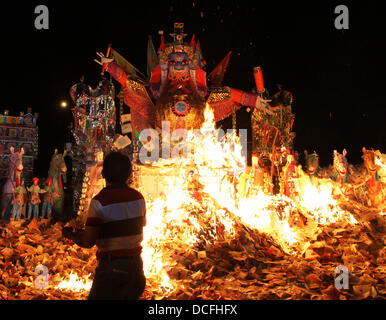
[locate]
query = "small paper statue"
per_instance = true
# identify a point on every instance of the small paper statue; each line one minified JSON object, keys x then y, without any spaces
{"x":18,"y":201}
{"x":34,"y":199}
{"x":48,"y":199}
{"x":194,"y":185}
{"x":290,"y":174}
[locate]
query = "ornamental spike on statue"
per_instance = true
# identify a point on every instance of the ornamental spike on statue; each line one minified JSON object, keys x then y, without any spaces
{"x":178,"y":35}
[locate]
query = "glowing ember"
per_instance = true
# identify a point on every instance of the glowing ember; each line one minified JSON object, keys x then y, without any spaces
{"x":75,"y":283}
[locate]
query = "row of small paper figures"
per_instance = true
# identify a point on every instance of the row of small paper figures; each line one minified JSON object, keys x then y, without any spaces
{"x":20,"y":193}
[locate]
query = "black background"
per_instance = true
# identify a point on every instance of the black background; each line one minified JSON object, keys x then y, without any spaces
{"x":336,"y":76}
{"x":283,"y":308}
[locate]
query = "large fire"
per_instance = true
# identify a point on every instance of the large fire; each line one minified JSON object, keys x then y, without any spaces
{"x":200,"y":201}
{"x":187,"y":217}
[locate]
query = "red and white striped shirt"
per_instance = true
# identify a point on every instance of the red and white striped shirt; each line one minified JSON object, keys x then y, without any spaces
{"x":120,"y":212}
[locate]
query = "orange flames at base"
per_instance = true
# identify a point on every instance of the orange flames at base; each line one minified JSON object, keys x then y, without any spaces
{"x":75,"y":283}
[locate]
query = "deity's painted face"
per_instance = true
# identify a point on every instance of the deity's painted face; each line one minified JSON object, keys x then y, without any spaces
{"x":178,"y":61}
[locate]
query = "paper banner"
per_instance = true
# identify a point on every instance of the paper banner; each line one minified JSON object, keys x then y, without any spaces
{"x":126,"y":128}
{"x":122,"y":142}
{"x":125,"y":117}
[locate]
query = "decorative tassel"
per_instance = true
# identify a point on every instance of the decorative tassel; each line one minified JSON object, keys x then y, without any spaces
{"x":234,"y":118}
{"x":193,"y":42}
{"x":17,"y":179}
{"x":162,"y":45}
{"x":372,"y":182}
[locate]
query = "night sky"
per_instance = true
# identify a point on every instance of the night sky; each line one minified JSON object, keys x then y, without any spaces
{"x":336,"y":77}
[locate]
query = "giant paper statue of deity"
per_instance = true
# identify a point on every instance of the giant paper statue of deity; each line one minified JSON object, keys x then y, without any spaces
{"x":177,"y":90}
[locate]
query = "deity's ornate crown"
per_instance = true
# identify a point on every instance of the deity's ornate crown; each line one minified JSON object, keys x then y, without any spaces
{"x":178,"y":45}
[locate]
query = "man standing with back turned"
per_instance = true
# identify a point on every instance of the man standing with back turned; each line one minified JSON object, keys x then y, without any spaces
{"x":114,"y":223}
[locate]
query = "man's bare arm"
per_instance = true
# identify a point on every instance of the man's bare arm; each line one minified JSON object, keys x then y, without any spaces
{"x":85,"y":238}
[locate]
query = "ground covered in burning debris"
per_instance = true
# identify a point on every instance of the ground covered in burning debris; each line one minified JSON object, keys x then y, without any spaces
{"x":251,"y":265}
{"x":219,"y":263}
{"x":215,"y":231}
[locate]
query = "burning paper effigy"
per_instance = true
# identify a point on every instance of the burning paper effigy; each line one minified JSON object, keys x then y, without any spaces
{"x":217,"y":228}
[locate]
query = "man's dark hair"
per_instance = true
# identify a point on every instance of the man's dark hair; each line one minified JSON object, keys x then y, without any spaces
{"x":116,"y":167}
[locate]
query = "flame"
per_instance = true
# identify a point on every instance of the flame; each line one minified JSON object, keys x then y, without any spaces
{"x":379,"y":161}
{"x":75,"y":283}
{"x":200,"y":204}
{"x":181,"y":221}
{"x":317,"y":197}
